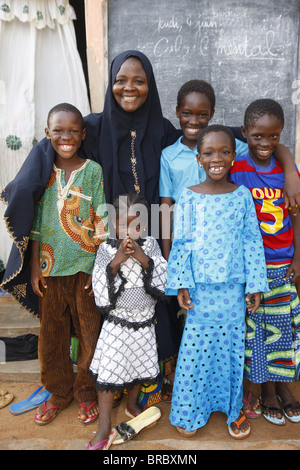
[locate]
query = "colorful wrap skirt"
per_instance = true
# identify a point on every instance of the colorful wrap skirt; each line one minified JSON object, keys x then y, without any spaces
{"x":273,"y":332}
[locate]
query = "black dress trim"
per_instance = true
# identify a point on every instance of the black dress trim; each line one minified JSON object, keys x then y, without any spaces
{"x":110,"y":387}
{"x":128,"y":324}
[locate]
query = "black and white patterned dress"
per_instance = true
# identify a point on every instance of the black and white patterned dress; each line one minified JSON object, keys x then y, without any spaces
{"x":126,"y":352}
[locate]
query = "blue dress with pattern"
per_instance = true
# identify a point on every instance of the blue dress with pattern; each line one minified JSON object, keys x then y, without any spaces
{"x":217,"y":253}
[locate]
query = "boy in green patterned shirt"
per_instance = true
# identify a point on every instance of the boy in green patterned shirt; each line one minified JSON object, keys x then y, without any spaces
{"x":70,"y":223}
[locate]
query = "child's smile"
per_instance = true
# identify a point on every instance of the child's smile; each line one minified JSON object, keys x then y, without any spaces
{"x":66,"y":134}
{"x":216,"y":155}
{"x":194,"y":114}
{"x":263,"y":137}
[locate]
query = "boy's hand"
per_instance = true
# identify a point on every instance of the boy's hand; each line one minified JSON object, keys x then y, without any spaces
{"x":37,"y":278}
{"x":184,"y":300}
{"x":88,"y":285}
{"x":255,"y":299}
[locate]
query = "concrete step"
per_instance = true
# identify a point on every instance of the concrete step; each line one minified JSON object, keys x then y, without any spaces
{"x":16,"y":321}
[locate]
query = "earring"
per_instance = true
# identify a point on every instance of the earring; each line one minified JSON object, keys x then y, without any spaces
{"x":232,"y":163}
{"x":200,"y":164}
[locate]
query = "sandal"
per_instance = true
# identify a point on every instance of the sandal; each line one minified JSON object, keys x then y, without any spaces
{"x":5,"y":398}
{"x":39,"y":419}
{"x":186,"y":433}
{"x":288,"y":407}
{"x":88,"y":419}
{"x":252,"y":412}
{"x":241,"y":434}
{"x":37,"y":398}
{"x":105,"y":444}
{"x":272,"y":419}
{"x":127,"y":431}
{"x":294,"y":418}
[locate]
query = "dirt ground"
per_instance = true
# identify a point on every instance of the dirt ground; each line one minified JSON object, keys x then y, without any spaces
{"x":67,"y":433}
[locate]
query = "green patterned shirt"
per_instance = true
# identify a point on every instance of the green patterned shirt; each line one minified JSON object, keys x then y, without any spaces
{"x":71,"y":221}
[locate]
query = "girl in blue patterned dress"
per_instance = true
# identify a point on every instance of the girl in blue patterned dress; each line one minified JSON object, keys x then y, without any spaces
{"x":217,"y":257}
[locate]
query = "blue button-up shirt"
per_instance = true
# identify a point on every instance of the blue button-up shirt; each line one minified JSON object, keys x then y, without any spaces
{"x":179,"y":168}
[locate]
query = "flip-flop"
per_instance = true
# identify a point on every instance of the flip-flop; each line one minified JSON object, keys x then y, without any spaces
{"x":40,"y":421}
{"x":127,"y":431}
{"x":88,"y":419}
{"x":288,"y":407}
{"x":272,"y":419}
{"x":5,"y":398}
{"x":105,"y":444}
{"x":37,"y":398}
{"x":241,"y":434}
{"x":253,"y":412}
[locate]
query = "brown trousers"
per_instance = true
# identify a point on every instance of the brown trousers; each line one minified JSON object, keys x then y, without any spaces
{"x":65,"y":298}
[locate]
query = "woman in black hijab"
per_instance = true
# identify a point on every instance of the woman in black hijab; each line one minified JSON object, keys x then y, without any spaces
{"x":127,"y":143}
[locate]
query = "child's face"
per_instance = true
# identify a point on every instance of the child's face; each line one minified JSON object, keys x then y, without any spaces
{"x":129,"y":225}
{"x":216,"y":155}
{"x":66,"y":133}
{"x":263,"y":138}
{"x":131,"y":86}
{"x":194,"y":113}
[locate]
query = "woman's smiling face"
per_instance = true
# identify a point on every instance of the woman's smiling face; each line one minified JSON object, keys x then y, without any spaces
{"x":131,"y":86}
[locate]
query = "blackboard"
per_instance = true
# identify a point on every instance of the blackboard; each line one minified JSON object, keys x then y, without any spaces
{"x":245,"y":49}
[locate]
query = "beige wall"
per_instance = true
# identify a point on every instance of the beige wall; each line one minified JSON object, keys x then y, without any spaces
{"x":97,"y":52}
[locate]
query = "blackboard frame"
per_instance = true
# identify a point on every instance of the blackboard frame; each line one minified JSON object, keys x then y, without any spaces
{"x":104,"y":62}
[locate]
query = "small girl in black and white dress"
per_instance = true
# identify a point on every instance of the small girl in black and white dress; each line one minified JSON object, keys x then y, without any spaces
{"x":128,"y":279}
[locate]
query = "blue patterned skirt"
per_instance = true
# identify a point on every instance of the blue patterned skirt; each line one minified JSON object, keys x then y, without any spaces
{"x":273,"y":333}
{"x":209,"y":371}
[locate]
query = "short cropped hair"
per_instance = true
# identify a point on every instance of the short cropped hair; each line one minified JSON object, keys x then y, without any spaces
{"x":259,"y":108}
{"x":64,"y":107}
{"x":198,"y":86}
{"x":215,"y":128}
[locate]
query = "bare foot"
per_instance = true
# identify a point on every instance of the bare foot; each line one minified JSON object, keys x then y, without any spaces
{"x":46,"y":416}
{"x":87,"y":410}
{"x":288,"y":400}
{"x":269,"y":400}
{"x":251,"y":405}
{"x":241,"y":425}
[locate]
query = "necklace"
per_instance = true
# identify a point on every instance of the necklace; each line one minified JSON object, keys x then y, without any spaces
{"x":133,"y":163}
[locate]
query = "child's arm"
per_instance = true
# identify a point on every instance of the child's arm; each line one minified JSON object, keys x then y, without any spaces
{"x":294,"y":267}
{"x":166,"y":222}
{"x":292,"y":181}
{"x":36,"y":272}
{"x":184,"y":299}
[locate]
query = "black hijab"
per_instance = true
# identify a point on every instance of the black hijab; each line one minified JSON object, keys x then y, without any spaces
{"x":113,"y":149}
